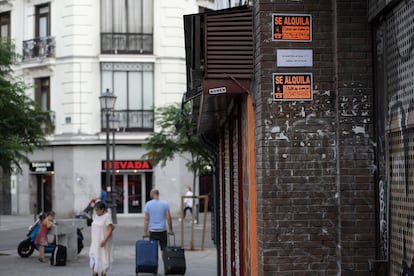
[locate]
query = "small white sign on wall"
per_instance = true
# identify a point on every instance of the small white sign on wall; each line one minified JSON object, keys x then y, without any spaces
{"x":294,"y":58}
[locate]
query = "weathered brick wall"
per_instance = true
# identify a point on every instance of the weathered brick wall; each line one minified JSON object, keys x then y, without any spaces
{"x":315,"y":190}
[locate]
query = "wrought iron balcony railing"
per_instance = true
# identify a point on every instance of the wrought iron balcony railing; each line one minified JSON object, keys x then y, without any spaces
{"x":126,"y":43}
{"x":131,"y":120}
{"x":43,"y":47}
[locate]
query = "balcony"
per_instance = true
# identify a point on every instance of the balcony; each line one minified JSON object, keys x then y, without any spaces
{"x":39,"y":48}
{"x":126,"y":43}
{"x":131,"y":120}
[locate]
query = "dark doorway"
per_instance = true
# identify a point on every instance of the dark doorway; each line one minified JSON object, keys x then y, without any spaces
{"x":206,"y":188}
{"x":44,"y":193}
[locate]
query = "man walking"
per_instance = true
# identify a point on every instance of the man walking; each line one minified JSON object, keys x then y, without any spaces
{"x":157,"y":216}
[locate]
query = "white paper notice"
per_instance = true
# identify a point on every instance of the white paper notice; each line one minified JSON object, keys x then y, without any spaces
{"x":294,"y":58}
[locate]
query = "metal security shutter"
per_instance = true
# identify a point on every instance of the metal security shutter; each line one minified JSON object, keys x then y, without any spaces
{"x":399,"y":51}
{"x":394,"y":37}
{"x":223,"y":256}
{"x":236,"y":199}
{"x":228,"y":208}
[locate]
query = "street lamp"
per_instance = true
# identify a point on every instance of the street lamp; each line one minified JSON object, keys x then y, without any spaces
{"x":107,"y":100}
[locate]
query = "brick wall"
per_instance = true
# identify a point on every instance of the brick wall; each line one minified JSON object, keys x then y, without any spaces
{"x":315,"y":190}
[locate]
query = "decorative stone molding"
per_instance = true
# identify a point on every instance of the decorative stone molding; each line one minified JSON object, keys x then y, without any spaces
{"x":6,"y":5}
{"x":38,"y":2}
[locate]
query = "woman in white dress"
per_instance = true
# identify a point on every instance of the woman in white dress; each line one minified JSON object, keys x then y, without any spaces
{"x":100,"y":252}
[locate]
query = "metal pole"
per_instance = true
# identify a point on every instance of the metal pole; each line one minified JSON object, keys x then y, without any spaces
{"x":113,"y":190}
{"x":107,"y":175}
{"x":113,"y":166}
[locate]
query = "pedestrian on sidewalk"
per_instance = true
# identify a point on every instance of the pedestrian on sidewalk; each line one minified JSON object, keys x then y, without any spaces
{"x":102,"y":197}
{"x":100,"y":251}
{"x":188,"y":202}
{"x":46,"y":222}
{"x":157,"y":216}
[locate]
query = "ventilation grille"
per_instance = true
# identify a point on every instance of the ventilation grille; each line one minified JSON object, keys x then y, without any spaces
{"x":229,"y":44}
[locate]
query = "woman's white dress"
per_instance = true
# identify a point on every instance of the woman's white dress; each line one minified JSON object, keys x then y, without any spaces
{"x":100,"y":258}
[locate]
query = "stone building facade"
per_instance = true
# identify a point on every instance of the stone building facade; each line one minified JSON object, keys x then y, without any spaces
{"x":72,"y":52}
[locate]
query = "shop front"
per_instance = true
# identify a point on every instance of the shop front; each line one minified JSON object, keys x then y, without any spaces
{"x":42,"y":173}
{"x":131,"y":184}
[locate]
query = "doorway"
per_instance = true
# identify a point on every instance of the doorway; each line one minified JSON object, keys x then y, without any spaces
{"x":44,"y":193}
{"x":130,"y":190}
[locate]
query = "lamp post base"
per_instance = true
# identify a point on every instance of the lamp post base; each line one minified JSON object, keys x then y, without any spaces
{"x":111,"y":204}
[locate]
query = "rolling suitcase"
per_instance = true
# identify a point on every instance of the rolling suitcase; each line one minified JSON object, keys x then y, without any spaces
{"x":59,"y":254}
{"x":174,"y":259}
{"x":146,"y":256}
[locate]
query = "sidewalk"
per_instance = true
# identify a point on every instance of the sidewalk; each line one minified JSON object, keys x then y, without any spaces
{"x":199,"y":262}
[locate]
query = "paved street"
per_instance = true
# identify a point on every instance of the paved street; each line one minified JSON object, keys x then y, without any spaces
{"x":128,"y":230}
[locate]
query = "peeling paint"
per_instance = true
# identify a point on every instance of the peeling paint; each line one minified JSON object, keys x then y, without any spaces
{"x":358,"y":130}
{"x":282,"y":136}
{"x":326,"y":93}
{"x":302,"y":112}
{"x":275,"y":129}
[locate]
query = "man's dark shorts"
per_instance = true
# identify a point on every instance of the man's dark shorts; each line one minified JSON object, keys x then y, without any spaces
{"x":161,"y":237}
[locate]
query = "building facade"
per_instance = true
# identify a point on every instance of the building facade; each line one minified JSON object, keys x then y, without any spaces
{"x":283,"y":93}
{"x":72,"y":52}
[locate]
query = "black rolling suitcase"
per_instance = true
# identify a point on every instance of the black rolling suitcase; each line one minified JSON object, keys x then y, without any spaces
{"x":59,"y":255}
{"x":174,"y":259}
{"x":146,"y":256}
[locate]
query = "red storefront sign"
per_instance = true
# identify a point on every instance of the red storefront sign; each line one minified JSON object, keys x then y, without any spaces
{"x":128,"y":165}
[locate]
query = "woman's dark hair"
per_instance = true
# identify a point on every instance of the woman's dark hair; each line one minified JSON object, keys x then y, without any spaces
{"x":50,"y":213}
{"x":100,"y":205}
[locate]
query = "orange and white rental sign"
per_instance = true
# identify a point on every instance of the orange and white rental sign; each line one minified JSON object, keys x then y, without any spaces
{"x":292,"y":86}
{"x":292,"y":27}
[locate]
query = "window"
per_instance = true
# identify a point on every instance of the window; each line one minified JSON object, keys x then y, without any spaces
{"x":42,"y":99}
{"x":127,"y":26}
{"x":43,"y":45}
{"x":133,"y":85}
{"x":5,"y":24}
{"x":42,"y":93}
{"x":42,"y":23}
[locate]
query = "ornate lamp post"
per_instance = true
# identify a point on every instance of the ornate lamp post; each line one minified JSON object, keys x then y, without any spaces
{"x":107,"y":100}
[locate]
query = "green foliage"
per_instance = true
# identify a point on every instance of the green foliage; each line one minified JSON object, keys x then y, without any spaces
{"x":21,"y":123}
{"x":176,"y":135}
